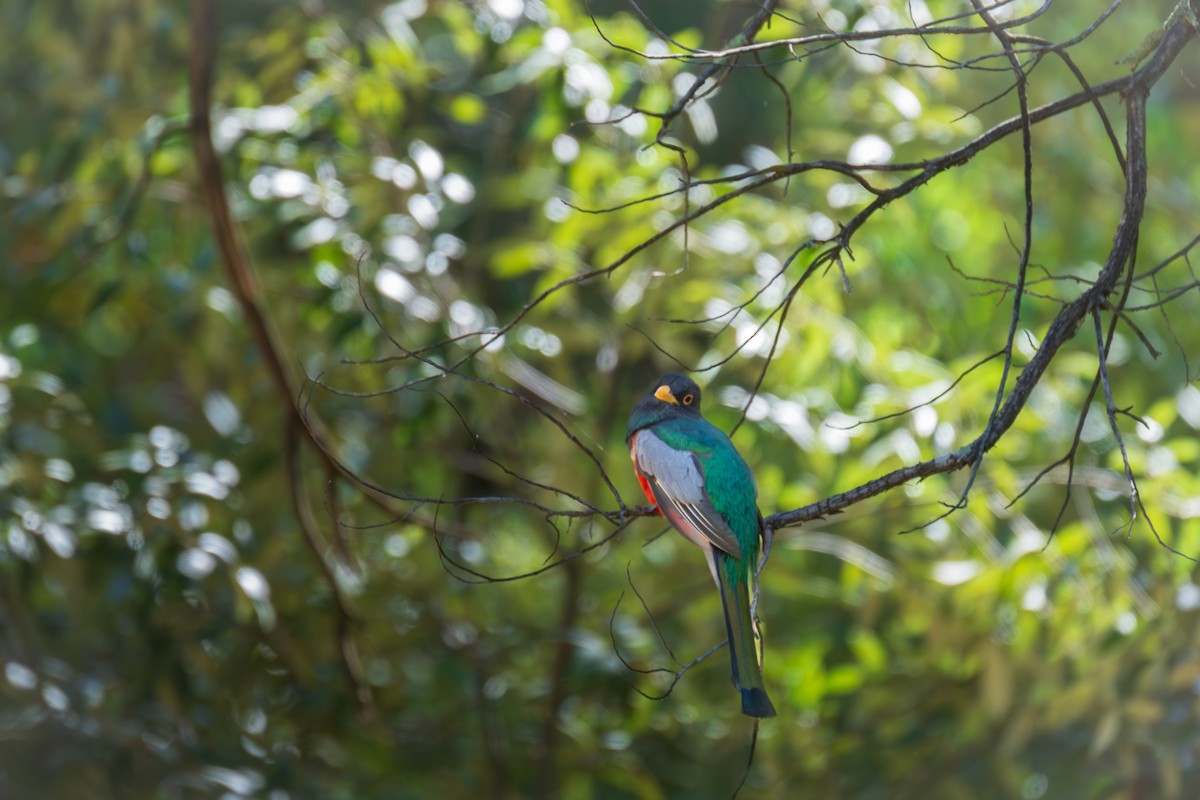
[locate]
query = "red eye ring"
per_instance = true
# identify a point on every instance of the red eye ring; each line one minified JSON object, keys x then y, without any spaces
{"x":688,"y":399}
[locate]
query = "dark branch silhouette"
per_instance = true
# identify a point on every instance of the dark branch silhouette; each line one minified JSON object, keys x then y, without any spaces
{"x":1094,"y":294}
{"x":448,"y":360}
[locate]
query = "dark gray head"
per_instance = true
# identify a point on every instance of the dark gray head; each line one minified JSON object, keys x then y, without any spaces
{"x":671,"y":396}
{"x":679,"y":391}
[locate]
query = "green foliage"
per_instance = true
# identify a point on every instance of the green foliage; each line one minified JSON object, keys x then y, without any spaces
{"x":419,"y":172}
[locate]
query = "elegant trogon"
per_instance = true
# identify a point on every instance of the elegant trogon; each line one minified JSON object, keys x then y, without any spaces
{"x":691,"y":472}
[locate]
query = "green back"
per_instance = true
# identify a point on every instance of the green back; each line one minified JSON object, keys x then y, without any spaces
{"x":727,"y":480}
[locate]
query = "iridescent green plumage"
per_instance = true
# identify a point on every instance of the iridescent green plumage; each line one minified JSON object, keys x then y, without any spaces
{"x":691,"y":471}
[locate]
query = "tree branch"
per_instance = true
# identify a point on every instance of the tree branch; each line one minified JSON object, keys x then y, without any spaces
{"x":1065,"y":324}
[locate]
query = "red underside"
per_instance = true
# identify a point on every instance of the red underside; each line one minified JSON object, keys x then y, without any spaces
{"x":642,"y":480}
{"x":649,"y":494}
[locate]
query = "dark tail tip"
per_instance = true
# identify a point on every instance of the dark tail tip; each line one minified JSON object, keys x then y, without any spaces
{"x":755,"y":703}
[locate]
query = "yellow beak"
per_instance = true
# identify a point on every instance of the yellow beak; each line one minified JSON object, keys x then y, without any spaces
{"x":664,"y":393}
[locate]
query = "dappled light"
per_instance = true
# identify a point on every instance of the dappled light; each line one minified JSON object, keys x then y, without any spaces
{"x":321,"y":325}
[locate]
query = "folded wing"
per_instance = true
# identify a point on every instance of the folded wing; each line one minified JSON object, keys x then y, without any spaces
{"x":676,"y":479}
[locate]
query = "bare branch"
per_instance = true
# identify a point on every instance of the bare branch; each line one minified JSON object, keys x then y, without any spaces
{"x":931,"y":400}
{"x":676,"y":675}
{"x":1102,"y":359}
{"x":1065,"y":324}
{"x":1026,"y":248}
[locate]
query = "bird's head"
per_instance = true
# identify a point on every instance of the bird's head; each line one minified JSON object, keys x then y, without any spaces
{"x":671,"y":397}
{"x":677,"y":393}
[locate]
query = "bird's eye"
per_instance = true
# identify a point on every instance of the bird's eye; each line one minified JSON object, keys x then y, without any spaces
{"x":688,"y":399}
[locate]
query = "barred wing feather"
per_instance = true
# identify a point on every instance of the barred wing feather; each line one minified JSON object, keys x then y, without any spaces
{"x":677,"y":480}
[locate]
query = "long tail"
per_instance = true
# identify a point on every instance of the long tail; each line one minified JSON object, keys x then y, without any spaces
{"x":733,"y":578}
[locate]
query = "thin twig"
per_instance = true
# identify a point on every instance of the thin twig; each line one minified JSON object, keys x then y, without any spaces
{"x":1065,"y":323}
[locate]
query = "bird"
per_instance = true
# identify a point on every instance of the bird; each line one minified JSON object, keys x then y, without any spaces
{"x":695,"y":477}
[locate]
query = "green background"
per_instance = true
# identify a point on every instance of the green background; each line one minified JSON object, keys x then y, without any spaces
{"x":166,"y":629}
